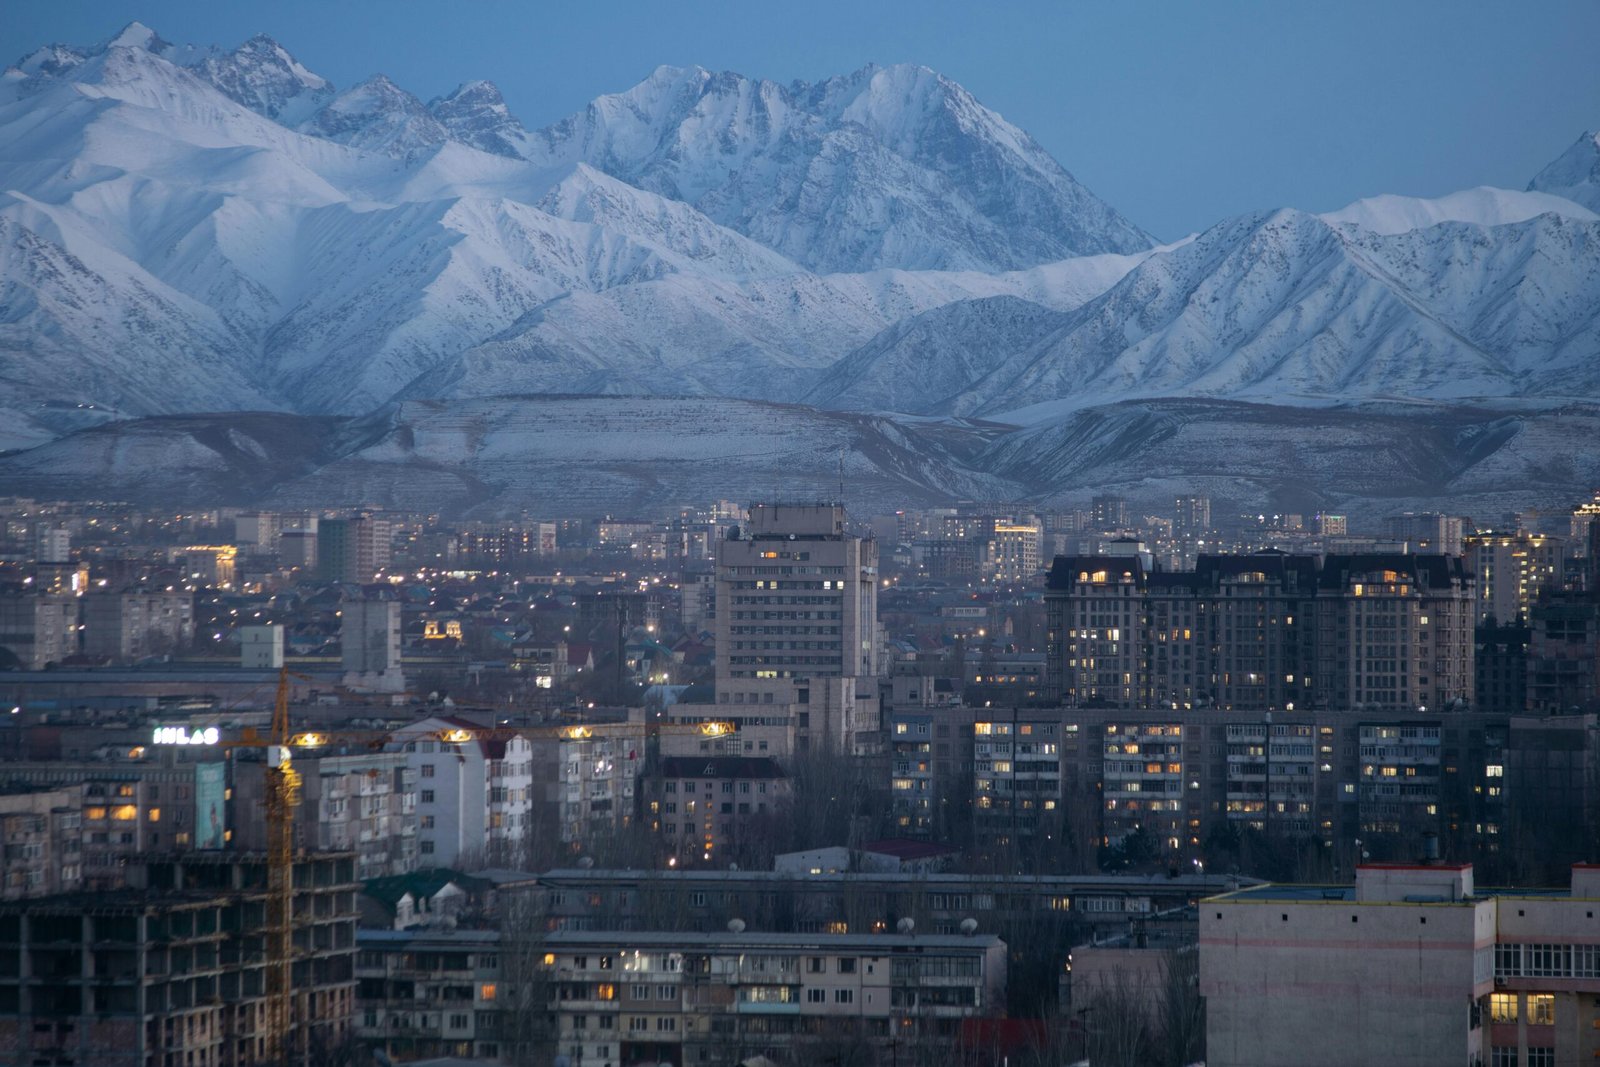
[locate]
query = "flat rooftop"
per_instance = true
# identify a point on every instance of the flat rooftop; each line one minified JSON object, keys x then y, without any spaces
{"x":1334,"y":894}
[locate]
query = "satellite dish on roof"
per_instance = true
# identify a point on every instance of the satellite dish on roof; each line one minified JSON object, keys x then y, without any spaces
{"x":969,"y":926}
{"x":906,"y":925}
{"x":736,"y":926}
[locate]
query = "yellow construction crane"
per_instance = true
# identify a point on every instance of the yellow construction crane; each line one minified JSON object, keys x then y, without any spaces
{"x":283,"y":797}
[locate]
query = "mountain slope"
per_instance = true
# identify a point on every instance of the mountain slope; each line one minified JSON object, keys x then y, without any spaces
{"x":1281,"y":306}
{"x":1575,"y":174}
{"x":886,"y":167}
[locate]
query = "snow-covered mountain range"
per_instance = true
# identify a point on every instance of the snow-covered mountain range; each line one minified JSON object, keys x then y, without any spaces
{"x":190,"y":229}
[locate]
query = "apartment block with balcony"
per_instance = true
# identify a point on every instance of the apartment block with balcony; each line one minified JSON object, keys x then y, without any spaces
{"x":1016,"y":767}
{"x":422,"y":994}
{"x":42,"y":835}
{"x":721,"y":997}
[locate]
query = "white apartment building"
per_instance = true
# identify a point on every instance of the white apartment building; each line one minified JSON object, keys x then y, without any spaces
{"x":1413,"y":965}
{"x":473,"y":793}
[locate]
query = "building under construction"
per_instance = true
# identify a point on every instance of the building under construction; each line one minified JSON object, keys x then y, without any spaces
{"x":173,"y":971}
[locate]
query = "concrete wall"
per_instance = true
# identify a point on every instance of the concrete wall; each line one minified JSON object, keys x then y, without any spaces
{"x":1340,"y":984}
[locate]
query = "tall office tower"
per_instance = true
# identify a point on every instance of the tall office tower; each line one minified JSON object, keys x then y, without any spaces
{"x":1264,"y":631}
{"x":1512,"y":569}
{"x":1427,"y":532}
{"x":1191,"y":516}
{"x":369,"y":633}
{"x":1109,"y":512}
{"x":352,"y":550}
{"x":797,"y":618}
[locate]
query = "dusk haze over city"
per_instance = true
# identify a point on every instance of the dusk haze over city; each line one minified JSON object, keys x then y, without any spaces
{"x":1042,"y":534}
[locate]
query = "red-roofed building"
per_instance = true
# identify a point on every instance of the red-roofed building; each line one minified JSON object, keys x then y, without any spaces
{"x":472,"y":799}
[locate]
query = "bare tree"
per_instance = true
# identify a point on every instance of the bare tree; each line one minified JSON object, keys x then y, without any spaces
{"x":1183,"y":1011}
{"x":1118,"y":1029}
{"x":527,"y":1023}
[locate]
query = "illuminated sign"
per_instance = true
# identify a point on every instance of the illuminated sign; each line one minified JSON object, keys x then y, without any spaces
{"x":180,"y":735}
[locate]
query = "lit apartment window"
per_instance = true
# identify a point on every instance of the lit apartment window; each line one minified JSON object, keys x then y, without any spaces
{"x":1503,"y":1007}
{"x":1541,"y":1009}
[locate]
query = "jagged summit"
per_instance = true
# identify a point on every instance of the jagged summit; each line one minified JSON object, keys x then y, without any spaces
{"x":476,"y":114}
{"x":1575,"y":174}
{"x":883,"y":167}
{"x":185,"y":226}
{"x":379,"y":116}
{"x":263,"y":76}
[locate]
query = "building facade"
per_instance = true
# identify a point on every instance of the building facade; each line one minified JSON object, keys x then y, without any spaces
{"x":1412,"y":966}
{"x":1266,"y":631}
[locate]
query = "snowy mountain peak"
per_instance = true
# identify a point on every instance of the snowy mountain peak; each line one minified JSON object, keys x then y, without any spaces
{"x":261,"y":75}
{"x":1483,"y":206}
{"x":49,"y":61}
{"x":137,"y":35}
{"x":1575,"y":174}
{"x":884,"y":167}
{"x":476,"y":114}
{"x":379,"y":116}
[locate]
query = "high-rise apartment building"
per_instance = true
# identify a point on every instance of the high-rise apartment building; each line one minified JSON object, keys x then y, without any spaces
{"x":1014,"y":552}
{"x":1512,"y":569}
{"x":1264,"y":631}
{"x":1192,"y":516}
{"x":1109,"y":512}
{"x":352,"y":550}
{"x":1426,"y":532}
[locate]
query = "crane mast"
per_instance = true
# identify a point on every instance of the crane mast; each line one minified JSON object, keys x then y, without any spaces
{"x":283,"y":796}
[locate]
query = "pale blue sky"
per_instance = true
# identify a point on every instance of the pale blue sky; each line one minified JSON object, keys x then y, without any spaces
{"x":1178,"y":113}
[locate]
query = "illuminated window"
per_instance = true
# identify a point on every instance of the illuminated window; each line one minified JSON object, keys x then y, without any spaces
{"x":94,"y":813}
{"x":125,"y":812}
{"x":155,"y":815}
{"x":605,"y":991}
{"x":1503,"y":1007}
{"x":487,"y":991}
{"x":1541,"y":1009}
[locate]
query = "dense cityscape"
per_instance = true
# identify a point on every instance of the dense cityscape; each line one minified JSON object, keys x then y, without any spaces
{"x":832,"y":787}
{"x":904,"y":534}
